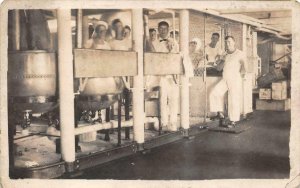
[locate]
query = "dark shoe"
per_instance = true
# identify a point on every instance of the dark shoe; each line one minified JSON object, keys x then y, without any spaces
{"x":223,"y":123}
{"x":220,"y":115}
{"x":213,"y":118}
{"x":231,"y":124}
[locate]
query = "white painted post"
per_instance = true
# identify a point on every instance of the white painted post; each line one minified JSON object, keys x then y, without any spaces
{"x":66,"y":94}
{"x":184,"y":47}
{"x":5,"y":128}
{"x":79,"y":28}
{"x":245,"y":32}
{"x":138,"y":91}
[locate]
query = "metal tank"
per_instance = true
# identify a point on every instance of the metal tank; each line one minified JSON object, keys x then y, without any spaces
{"x":100,"y":93}
{"x":32,"y":80}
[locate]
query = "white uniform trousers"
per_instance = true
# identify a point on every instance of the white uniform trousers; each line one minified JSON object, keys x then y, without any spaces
{"x":234,"y":88}
{"x":169,"y":96}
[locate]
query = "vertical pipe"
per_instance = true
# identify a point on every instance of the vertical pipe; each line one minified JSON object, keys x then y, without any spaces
{"x":222,"y":37}
{"x":245,"y":51}
{"x":79,"y":28}
{"x":254,"y":43}
{"x":127,"y":109}
{"x":244,"y":46}
{"x":78,"y":45}
{"x":66,"y":94}
{"x":255,"y":55}
{"x":85,"y":29}
{"x":16,"y":29}
{"x":205,"y":73}
{"x":119,"y":119}
{"x":173,"y":23}
{"x":138,"y":92}
{"x":146,"y":30}
{"x":184,"y":47}
{"x":107,"y":119}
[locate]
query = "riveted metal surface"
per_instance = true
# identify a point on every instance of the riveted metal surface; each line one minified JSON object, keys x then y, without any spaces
{"x":163,"y":139}
{"x":42,"y":172}
{"x":98,"y":158}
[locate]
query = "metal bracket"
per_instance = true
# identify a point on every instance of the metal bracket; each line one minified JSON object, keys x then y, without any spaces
{"x":82,"y":84}
{"x":70,"y":166}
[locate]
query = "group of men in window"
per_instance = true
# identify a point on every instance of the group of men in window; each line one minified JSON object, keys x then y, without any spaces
{"x":231,"y":61}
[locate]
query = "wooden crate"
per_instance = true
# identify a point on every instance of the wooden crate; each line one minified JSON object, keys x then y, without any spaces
{"x":265,"y":93}
{"x":279,"y":94}
{"x":275,"y":105}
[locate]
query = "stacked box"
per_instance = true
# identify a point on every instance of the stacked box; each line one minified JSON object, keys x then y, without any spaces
{"x":152,"y":108}
{"x":265,"y":93}
{"x":279,"y":90}
{"x":276,"y":105}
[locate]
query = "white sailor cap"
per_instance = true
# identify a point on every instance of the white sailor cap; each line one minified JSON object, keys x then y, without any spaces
{"x":97,"y":22}
{"x":198,"y":42}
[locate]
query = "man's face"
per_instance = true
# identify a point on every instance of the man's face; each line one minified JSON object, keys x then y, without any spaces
{"x":176,"y":35}
{"x":118,"y":26}
{"x":192,"y":47}
{"x":214,"y":39}
{"x":230,"y":44}
{"x":126,"y":33}
{"x":153,"y":35}
{"x":101,"y":31}
{"x":163,"y":31}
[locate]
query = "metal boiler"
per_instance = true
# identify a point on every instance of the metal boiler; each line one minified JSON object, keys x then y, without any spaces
{"x":99,"y":93}
{"x":31,"y":83}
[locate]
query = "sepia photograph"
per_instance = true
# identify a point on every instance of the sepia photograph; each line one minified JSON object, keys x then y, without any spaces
{"x":161,"y":93}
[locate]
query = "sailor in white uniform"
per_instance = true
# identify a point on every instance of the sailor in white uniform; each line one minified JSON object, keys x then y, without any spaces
{"x":169,"y":93}
{"x":233,"y":64}
{"x":213,"y":49}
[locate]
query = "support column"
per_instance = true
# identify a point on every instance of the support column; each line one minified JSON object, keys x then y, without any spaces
{"x":244,"y":45}
{"x":79,"y":28}
{"x":16,"y":29}
{"x":85,"y":29}
{"x":11,"y":115}
{"x":138,"y":84}
{"x":184,"y":48}
{"x":66,"y":93}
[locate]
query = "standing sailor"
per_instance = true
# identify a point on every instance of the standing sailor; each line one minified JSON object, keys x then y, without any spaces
{"x":169,"y":93}
{"x":234,"y":68}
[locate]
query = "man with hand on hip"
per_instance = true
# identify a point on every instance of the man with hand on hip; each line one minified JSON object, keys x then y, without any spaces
{"x":233,"y":64}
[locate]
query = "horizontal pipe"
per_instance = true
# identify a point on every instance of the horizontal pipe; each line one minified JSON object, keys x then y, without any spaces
{"x":86,"y":127}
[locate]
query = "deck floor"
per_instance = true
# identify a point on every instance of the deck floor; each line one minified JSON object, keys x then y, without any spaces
{"x":261,"y":152}
{"x":38,"y":150}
